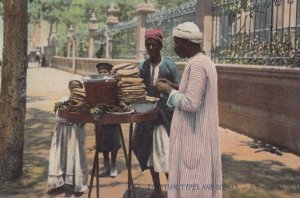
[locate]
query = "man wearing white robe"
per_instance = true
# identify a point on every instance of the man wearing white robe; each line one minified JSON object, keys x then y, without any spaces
{"x":194,"y":160}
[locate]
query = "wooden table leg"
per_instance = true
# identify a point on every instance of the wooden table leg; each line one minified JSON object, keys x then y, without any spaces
{"x":124,"y":146}
{"x":95,"y":169}
{"x":130,"y":179}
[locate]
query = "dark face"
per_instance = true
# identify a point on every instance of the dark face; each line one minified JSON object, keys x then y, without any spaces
{"x":153,"y":47}
{"x":103,"y":71}
{"x":180,"y":47}
{"x":74,"y":84}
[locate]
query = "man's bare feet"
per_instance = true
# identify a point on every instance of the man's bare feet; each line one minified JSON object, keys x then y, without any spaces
{"x":156,"y":194}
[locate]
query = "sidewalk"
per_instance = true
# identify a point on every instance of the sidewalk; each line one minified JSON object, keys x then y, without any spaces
{"x":250,"y":168}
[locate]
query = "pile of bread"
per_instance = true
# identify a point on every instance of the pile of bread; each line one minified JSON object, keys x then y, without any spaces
{"x":131,"y":87}
{"x":77,"y":100}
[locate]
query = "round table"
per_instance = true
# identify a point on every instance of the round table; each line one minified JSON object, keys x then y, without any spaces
{"x":111,"y":119}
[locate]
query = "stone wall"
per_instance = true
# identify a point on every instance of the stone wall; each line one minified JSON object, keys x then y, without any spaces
{"x":84,"y":66}
{"x":258,"y":101}
{"x":261,"y":102}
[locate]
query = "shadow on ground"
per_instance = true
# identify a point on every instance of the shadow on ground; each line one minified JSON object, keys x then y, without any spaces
{"x":241,"y":178}
{"x":262,"y":146}
{"x":38,"y":134}
{"x":66,"y":191}
{"x":258,"y":178}
{"x":142,"y":192}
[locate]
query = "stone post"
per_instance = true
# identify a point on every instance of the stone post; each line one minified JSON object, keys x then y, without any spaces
{"x":93,"y":26}
{"x":69,"y":41}
{"x":74,"y":54}
{"x":142,"y":10}
{"x":204,"y":21}
{"x":72,"y":37}
{"x":111,"y":20}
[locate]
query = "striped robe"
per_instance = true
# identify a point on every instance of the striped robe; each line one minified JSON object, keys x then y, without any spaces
{"x":195,"y":159}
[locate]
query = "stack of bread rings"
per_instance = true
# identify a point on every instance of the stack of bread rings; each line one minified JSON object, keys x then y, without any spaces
{"x":131,"y":88}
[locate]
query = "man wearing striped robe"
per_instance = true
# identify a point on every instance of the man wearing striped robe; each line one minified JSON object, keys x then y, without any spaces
{"x":194,"y":160}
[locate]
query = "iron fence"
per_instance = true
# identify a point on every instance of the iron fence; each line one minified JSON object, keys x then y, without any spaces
{"x":99,"y":43}
{"x":123,"y":40}
{"x":264,"y":32}
{"x":166,"y":20}
{"x":122,"y":37}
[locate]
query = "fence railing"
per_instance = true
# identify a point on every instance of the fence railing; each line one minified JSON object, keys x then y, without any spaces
{"x":123,"y":40}
{"x":99,"y":43}
{"x":264,"y":32}
{"x":166,"y":20}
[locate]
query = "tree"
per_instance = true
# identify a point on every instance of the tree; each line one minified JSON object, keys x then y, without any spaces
{"x":13,"y":89}
{"x":49,"y":10}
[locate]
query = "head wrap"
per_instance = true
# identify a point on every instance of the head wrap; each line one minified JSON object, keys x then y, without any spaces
{"x":154,"y":34}
{"x":76,"y":77}
{"x":107,"y":66}
{"x":189,"y":31}
{"x":75,"y":81}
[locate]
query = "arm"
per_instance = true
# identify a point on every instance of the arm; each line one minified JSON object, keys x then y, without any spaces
{"x":174,"y":79}
{"x":167,"y":82}
{"x":192,"y":99}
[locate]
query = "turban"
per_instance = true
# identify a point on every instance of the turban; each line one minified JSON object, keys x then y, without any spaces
{"x":75,"y":82}
{"x":106,"y":66}
{"x":154,"y":34}
{"x":189,"y":31}
{"x":76,"y":77}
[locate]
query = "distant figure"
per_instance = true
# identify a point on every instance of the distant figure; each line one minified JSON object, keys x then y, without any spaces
{"x":43,"y":60}
{"x":38,"y":58}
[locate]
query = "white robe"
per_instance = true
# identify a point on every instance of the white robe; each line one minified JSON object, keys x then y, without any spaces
{"x":67,"y":161}
{"x":195,"y":160}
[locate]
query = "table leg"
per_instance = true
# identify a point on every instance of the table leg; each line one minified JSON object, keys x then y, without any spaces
{"x":130,"y":180}
{"x":95,"y":165}
{"x":124,"y":146}
{"x":97,"y":159}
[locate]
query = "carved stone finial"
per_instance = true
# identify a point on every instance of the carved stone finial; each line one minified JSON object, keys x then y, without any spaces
{"x":93,"y":18}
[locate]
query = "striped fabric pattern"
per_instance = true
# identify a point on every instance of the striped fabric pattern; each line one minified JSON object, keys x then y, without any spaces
{"x":195,"y":159}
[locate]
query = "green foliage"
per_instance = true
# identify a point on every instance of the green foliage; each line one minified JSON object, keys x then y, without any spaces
{"x":100,"y":51}
{"x":164,"y":4}
{"x":96,"y":113}
{"x":59,"y":105}
{"x":233,"y":7}
{"x":50,"y":10}
{"x":63,"y":13}
{"x":127,"y":9}
{"x":124,"y":44}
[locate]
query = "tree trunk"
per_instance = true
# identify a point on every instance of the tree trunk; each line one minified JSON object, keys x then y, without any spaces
{"x":50,"y":34}
{"x":13,"y":89}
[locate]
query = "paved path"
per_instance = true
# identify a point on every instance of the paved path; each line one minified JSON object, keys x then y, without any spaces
{"x":250,"y":168}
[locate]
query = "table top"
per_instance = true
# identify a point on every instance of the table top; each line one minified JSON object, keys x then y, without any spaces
{"x":109,"y":118}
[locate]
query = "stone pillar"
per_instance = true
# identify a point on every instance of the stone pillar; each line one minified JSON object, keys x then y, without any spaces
{"x":69,"y":43}
{"x":142,"y":10}
{"x":204,"y":21}
{"x":93,"y":26}
{"x":72,"y":40}
{"x":111,"y":20}
{"x":74,"y":55}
